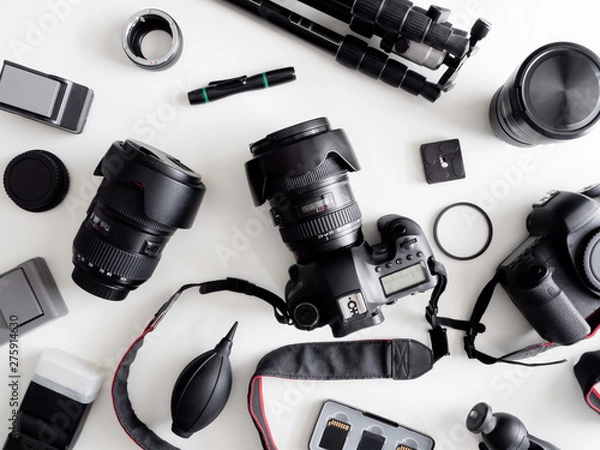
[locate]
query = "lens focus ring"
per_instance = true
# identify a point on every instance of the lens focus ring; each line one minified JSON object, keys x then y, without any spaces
{"x":111,"y":259}
{"x":322,"y":225}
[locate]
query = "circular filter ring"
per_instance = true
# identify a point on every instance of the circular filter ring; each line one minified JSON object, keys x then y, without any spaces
{"x":474,"y":255}
{"x":139,"y":26}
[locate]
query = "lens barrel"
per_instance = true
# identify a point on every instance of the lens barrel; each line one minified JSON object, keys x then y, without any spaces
{"x":146,"y":195}
{"x":552,"y":97}
{"x":303,"y":172}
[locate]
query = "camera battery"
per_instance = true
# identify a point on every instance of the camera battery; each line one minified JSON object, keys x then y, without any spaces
{"x":49,"y":99}
{"x":29,"y":298}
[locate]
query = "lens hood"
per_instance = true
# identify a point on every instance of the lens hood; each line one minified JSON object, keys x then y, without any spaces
{"x":172,"y":192}
{"x":294,"y":151}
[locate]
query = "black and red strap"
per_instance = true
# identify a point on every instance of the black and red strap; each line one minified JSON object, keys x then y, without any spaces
{"x":143,"y":436}
{"x":398,"y":359}
{"x":587,"y":371}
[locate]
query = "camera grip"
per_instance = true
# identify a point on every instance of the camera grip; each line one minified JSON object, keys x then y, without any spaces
{"x":548,"y":309}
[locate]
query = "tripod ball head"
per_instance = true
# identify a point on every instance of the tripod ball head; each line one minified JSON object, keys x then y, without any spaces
{"x":501,"y":431}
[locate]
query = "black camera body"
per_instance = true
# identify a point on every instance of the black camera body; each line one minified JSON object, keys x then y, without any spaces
{"x":338,"y":279}
{"x":553,"y":277}
{"x":347,"y":289}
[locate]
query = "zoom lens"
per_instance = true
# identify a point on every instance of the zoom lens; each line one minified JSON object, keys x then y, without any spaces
{"x":146,"y":195}
{"x":552,"y":97}
{"x":303,"y":172}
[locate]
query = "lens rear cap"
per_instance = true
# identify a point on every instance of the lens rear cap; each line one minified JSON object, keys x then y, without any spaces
{"x":36,"y":181}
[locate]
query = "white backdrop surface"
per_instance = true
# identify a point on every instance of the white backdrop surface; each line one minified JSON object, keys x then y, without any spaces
{"x":80,"y":40}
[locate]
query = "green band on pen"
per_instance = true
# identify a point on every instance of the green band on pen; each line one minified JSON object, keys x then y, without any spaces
{"x":265,"y":80}
{"x":206,"y":99}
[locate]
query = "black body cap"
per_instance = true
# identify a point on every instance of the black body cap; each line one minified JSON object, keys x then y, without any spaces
{"x":36,"y":181}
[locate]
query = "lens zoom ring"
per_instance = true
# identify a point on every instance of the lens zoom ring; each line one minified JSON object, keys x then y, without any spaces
{"x":393,"y":14}
{"x":111,"y":259}
{"x":415,"y":26}
{"x":128,"y":201}
{"x":322,"y":225}
{"x":327,"y":169}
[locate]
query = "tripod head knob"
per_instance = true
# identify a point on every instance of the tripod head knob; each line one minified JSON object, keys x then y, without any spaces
{"x":500,"y":431}
{"x":481,"y":28}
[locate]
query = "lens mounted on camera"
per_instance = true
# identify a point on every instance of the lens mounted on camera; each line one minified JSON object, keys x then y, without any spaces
{"x":294,"y":151}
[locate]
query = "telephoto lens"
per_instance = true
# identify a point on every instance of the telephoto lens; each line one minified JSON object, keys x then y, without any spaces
{"x":552,"y":97}
{"x":145,"y":196}
{"x":303,"y":172}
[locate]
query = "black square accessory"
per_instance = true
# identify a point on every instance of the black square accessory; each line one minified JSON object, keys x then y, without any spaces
{"x":443,"y":161}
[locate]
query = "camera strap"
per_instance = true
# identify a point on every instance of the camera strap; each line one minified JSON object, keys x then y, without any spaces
{"x":587,"y":371}
{"x":475,"y":327}
{"x":398,"y":359}
{"x":138,"y":431}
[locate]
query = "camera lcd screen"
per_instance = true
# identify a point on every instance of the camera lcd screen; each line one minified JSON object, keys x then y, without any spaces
{"x":403,"y":279}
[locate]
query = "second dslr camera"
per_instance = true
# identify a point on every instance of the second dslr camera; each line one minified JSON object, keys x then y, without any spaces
{"x":339,"y":279}
{"x":554,"y":276}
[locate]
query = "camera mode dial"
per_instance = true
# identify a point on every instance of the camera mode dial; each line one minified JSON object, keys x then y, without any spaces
{"x":591,"y":261}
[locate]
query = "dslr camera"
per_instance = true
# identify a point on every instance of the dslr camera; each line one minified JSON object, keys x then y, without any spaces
{"x":339,"y":279}
{"x":554,"y":276}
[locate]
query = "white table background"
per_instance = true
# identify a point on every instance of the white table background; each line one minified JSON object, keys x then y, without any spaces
{"x":386,"y":128}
